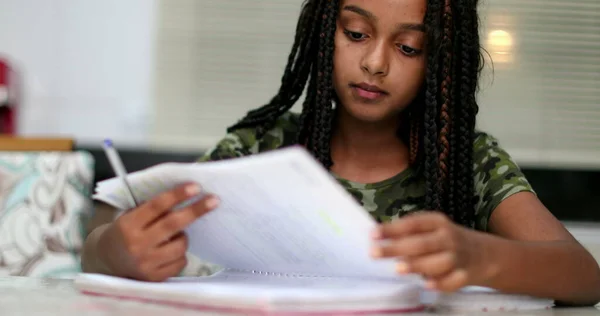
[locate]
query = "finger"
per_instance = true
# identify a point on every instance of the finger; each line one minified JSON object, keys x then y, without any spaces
{"x":164,"y":253}
{"x":171,"y":269}
{"x":411,"y":246}
{"x":431,"y":266}
{"x":417,"y":223}
{"x":177,"y":221}
{"x":164,"y":202}
{"x":178,"y":236}
{"x":450,"y":282}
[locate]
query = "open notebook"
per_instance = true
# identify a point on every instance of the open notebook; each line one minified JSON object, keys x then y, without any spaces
{"x":247,"y":294}
{"x":288,"y":236}
{"x":284,"y":222}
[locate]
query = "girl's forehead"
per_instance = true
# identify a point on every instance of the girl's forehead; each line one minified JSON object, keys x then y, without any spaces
{"x":388,"y":10}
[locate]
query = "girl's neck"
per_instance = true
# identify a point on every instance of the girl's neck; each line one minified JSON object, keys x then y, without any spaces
{"x":367,"y":152}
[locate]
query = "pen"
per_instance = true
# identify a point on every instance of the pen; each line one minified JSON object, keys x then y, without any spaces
{"x":117,"y":165}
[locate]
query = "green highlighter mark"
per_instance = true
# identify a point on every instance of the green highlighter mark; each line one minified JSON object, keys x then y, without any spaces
{"x":331,"y":223}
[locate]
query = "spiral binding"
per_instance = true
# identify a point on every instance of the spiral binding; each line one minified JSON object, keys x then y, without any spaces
{"x":299,"y":275}
{"x":278,"y":274}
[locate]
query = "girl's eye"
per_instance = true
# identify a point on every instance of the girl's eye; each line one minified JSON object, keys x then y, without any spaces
{"x":409,"y":51}
{"x":354,"y":36}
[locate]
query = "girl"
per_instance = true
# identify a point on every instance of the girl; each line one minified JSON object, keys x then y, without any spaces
{"x":390,"y":110}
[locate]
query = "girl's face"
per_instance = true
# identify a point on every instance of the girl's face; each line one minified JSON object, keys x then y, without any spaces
{"x":379,"y":62}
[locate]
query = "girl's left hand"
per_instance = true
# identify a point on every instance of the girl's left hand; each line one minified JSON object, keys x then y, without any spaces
{"x":448,"y":256}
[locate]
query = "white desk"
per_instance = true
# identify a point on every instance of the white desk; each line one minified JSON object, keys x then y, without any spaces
{"x":31,"y":296}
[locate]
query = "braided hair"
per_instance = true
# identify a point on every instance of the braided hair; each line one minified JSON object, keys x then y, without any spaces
{"x":441,"y":121}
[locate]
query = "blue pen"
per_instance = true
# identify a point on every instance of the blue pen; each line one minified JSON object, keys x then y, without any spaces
{"x":117,"y":165}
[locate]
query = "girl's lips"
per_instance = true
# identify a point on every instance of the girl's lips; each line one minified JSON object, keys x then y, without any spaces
{"x":370,"y":95}
{"x":367,"y":91}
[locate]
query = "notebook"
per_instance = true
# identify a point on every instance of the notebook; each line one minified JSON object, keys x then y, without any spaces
{"x":282,"y":216}
{"x":289,"y":237}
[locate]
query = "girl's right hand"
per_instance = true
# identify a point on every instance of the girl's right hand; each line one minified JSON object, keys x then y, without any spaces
{"x":148,"y":243}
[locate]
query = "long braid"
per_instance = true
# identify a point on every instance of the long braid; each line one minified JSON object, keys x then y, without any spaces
{"x":469,"y":68}
{"x":308,"y":110}
{"x":446,"y":100}
{"x":295,"y":75}
{"x":321,"y":135}
{"x":453,"y":163}
{"x":414,"y":137}
{"x":430,"y":137}
{"x":415,"y":128}
{"x":462,"y":134}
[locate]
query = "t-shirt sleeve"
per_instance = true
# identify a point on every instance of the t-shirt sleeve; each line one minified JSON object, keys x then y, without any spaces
{"x":236,"y":144}
{"x":245,"y":141}
{"x":497,"y":177}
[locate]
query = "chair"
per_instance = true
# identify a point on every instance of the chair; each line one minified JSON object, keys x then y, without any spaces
{"x":11,"y":143}
{"x":45,"y":204}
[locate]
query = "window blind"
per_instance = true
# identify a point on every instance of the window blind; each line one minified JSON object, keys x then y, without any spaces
{"x":540,"y":93}
{"x":540,"y":90}
{"x":216,"y":59}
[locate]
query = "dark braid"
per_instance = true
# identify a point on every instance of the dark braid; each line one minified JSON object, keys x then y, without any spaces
{"x":446,"y":100}
{"x":414,"y":138}
{"x":440,"y":122}
{"x":321,"y":136}
{"x":308,"y":110}
{"x":295,"y":75}
{"x":430,"y":137}
{"x":453,"y":163}
{"x":469,"y":70}
{"x":415,"y":128}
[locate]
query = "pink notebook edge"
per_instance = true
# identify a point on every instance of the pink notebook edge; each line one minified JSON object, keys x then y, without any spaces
{"x":256,"y":311}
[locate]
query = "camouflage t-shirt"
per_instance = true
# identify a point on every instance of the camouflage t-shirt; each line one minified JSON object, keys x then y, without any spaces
{"x":496,"y":175}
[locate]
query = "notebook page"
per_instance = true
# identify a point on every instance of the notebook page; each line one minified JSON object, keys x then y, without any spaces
{"x":284,"y":213}
{"x":145,"y":184}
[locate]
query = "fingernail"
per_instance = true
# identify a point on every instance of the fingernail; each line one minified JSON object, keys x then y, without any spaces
{"x":402,"y":267}
{"x":212,"y":202}
{"x":192,"y":189}
{"x":376,"y":252}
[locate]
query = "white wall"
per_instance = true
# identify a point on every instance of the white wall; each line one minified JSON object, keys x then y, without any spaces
{"x":86,"y":66}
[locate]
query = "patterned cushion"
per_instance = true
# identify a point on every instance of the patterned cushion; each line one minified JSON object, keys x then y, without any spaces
{"x":45,"y":201}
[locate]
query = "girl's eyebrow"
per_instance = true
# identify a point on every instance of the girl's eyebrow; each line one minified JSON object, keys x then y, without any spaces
{"x":360,"y":11}
{"x":400,"y":27}
{"x":411,"y":27}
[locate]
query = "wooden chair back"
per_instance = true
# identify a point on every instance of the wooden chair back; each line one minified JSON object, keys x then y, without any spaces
{"x":13,"y":143}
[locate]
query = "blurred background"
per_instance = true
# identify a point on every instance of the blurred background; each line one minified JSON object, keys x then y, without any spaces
{"x":164,"y":78}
